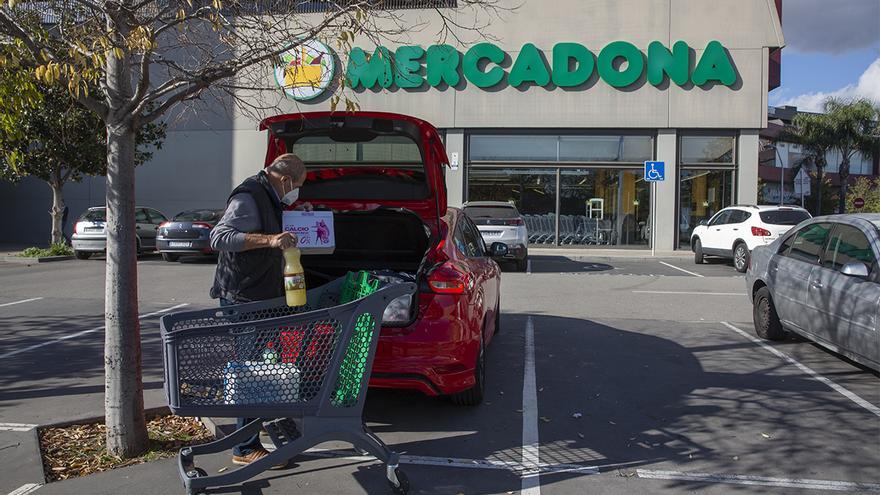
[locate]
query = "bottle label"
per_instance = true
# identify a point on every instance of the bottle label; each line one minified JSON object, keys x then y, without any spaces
{"x":294,"y":282}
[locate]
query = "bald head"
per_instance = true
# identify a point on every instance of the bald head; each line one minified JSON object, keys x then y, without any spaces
{"x":288,"y":165}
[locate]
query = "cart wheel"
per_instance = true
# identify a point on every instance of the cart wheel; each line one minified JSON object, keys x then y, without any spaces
{"x":196,"y":473}
{"x":402,"y":488}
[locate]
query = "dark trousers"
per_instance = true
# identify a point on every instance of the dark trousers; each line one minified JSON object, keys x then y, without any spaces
{"x":253,"y":442}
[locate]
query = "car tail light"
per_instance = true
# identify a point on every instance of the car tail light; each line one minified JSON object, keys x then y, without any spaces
{"x":76,"y":227}
{"x":758,"y":231}
{"x":447,"y":279}
{"x":202,"y":225}
{"x":514,"y":221}
{"x":164,"y":224}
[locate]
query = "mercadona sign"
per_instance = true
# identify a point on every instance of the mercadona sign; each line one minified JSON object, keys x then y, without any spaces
{"x":619,"y":64}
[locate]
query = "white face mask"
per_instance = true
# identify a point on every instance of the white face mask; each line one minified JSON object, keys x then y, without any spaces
{"x":291,"y":197}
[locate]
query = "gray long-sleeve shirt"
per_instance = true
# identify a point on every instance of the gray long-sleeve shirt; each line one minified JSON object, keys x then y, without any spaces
{"x":241,"y":217}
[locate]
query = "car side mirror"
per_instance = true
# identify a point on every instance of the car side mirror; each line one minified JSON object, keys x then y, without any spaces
{"x":704,"y":222}
{"x":855,"y":270}
{"x":498,"y":250}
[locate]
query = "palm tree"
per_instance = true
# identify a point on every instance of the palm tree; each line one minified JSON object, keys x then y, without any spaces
{"x":854,"y":130}
{"x":813,"y":133}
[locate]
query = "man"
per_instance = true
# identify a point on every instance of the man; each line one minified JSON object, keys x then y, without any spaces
{"x":250,"y":241}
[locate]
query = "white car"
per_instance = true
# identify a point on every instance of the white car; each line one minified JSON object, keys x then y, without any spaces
{"x":734,"y":231}
{"x":498,"y":221}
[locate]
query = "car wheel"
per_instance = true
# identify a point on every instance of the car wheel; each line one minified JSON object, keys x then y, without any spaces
{"x":170,"y":257}
{"x":522,"y":265}
{"x":767,"y":324}
{"x":741,"y":257}
{"x":82,"y":255}
{"x":698,"y":251}
{"x":474,"y":395}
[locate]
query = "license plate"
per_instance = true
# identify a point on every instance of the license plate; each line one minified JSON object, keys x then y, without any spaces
{"x":94,"y":229}
{"x":492,"y":232}
{"x":179,"y":244}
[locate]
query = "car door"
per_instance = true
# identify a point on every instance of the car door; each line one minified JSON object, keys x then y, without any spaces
{"x":790,"y":270}
{"x":156,"y":219}
{"x":735,"y":228}
{"x":713,"y":238}
{"x":144,"y":229}
{"x":848,"y":303}
{"x":481,"y":268}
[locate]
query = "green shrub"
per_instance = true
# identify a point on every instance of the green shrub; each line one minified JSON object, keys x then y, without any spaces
{"x":60,"y":249}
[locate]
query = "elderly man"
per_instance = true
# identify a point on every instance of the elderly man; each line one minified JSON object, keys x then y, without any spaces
{"x":250,"y":241}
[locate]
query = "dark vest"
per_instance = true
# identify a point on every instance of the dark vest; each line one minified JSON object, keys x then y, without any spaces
{"x":254,"y":275}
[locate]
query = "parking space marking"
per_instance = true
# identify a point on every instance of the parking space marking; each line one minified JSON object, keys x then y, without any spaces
{"x":20,"y":302}
{"x":25,"y":489}
{"x":16,"y":427}
{"x":84,"y":332}
{"x":681,"y":269}
{"x":687,"y":293}
{"x":739,"y":479}
{"x":814,"y":375}
{"x":531,"y":482}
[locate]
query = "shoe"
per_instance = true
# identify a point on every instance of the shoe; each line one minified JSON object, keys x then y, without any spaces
{"x":255,"y":455}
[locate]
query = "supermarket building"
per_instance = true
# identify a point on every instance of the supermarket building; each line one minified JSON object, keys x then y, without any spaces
{"x":556,"y":109}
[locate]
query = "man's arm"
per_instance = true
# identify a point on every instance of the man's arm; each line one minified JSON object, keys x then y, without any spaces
{"x":236,"y":231}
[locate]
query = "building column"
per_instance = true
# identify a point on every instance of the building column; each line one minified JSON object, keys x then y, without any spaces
{"x":455,"y":175}
{"x":747,"y":174}
{"x":667,"y":209}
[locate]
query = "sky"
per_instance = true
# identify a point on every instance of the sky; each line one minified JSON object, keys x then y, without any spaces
{"x":832,"y":48}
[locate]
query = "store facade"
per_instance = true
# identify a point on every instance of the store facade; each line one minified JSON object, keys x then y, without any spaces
{"x":554,"y":106}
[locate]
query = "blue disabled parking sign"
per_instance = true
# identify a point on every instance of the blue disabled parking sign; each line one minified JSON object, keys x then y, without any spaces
{"x":655,"y":171}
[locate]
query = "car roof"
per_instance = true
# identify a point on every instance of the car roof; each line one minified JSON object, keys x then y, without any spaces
{"x":766,"y":207}
{"x":489,"y":203}
{"x":865,"y":220}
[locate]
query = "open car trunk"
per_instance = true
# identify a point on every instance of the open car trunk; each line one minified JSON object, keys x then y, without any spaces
{"x":382,"y":239}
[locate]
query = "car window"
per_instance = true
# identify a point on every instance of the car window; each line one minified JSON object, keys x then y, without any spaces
{"x":721,"y":218}
{"x":809,"y":241}
{"x":95,"y":216}
{"x":738,"y":216}
{"x":848,"y":245}
{"x":786,"y":245}
{"x":467,"y":239}
{"x":784,"y":217}
{"x":156,"y":216}
{"x":140,"y":216}
{"x":474,"y":212}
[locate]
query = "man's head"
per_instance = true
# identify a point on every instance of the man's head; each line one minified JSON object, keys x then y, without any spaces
{"x":286,"y":173}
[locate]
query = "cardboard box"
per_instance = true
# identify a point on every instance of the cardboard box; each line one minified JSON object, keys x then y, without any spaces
{"x":314,"y":230}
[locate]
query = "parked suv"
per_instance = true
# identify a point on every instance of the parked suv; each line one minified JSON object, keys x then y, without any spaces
{"x":501,"y":222}
{"x":734,"y":231}
{"x":89,"y":236}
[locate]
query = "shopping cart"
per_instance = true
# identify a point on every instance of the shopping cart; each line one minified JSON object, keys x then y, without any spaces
{"x":304,"y":371}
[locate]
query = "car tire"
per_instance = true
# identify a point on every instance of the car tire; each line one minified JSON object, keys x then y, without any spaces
{"x":699,"y":258}
{"x":82,"y":255}
{"x":767,"y":324}
{"x":170,"y":257}
{"x":474,"y":395}
{"x":522,"y":265}
{"x":741,"y":257}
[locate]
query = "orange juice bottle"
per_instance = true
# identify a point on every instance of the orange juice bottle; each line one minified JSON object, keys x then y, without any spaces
{"x":294,"y":278}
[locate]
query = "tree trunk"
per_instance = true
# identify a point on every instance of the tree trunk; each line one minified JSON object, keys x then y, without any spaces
{"x":844,"y":179}
{"x":124,"y":396}
{"x":57,"y":212}
{"x":820,"y":180}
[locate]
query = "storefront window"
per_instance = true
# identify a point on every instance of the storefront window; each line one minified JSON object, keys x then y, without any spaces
{"x":553,"y":148}
{"x":532,"y":190}
{"x":702,"y":193}
{"x":707,"y":149}
{"x":513,"y":148}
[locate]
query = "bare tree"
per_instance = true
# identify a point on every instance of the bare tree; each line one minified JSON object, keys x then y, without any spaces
{"x":149,"y":56}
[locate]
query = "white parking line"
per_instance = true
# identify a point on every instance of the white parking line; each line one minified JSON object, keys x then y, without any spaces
{"x":816,"y":376}
{"x":84,"y":332}
{"x":16,"y":427}
{"x":531,"y":481}
{"x":25,"y":489}
{"x":20,"y":302}
{"x":681,"y":269}
{"x":739,"y":479}
{"x":687,"y":293}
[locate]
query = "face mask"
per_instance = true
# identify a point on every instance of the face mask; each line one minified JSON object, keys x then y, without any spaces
{"x":291,"y":197}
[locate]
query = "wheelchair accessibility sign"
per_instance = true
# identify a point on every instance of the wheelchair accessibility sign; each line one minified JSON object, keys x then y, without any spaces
{"x":655,"y":171}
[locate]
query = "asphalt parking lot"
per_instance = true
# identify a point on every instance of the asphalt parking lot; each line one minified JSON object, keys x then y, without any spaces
{"x":609,"y":376}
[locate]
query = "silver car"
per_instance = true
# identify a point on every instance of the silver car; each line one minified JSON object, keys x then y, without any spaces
{"x":189,"y":232}
{"x":89,"y":236}
{"x":498,"y":221}
{"x":822,"y":281}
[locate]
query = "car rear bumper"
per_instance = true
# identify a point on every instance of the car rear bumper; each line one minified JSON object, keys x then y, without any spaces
{"x":436,"y":357}
{"x":184,"y":245}
{"x":517,"y":251}
{"x":89,"y":245}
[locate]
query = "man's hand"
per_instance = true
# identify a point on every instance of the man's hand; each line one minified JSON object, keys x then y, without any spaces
{"x":304,"y":207}
{"x":283,"y":240}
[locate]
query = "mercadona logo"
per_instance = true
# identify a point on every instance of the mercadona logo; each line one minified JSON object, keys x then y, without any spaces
{"x":306,"y":70}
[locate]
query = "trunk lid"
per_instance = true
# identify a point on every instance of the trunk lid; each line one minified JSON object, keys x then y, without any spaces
{"x":364,"y":160}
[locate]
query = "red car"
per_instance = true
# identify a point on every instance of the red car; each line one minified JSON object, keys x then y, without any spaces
{"x":383,"y":175}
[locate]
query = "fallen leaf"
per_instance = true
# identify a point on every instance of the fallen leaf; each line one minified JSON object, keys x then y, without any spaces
{"x":577,"y":415}
{"x":765,"y":435}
